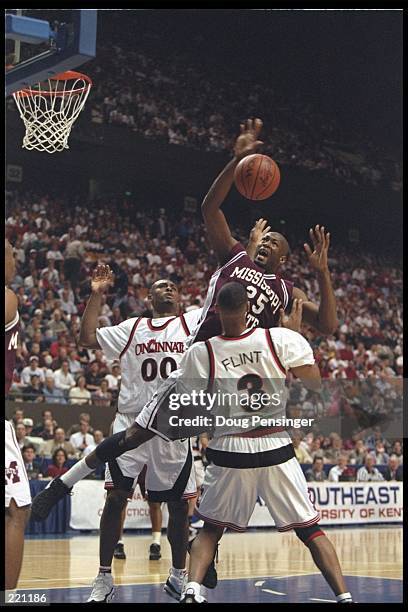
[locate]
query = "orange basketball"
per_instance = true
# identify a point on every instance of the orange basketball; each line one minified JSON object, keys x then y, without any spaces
{"x":257,"y":177}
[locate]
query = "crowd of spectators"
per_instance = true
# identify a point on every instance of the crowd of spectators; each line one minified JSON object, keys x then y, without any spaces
{"x":177,"y":101}
{"x":58,"y":242}
{"x":174,"y":99}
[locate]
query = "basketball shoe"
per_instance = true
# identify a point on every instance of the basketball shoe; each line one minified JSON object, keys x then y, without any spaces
{"x":154,"y":552}
{"x":189,"y":597}
{"x":175,"y":584}
{"x":44,"y":502}
{"x":102,"y":589}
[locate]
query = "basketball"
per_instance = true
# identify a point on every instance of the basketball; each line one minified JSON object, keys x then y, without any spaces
{"x":257,"y":177}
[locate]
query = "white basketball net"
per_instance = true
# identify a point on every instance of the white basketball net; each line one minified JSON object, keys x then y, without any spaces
{"x":49,"y":110}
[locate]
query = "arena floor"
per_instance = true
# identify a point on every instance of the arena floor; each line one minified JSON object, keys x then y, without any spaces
{"x":258,"y":566}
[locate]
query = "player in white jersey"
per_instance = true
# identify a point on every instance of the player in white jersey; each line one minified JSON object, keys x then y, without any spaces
{"x":251,"y":458}
{"x":17,"y":493}
{"x":148,"y":350}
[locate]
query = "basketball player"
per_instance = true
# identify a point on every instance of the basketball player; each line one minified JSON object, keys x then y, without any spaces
{"x":149,"y":350}
{"x":18,"y":497}
{"x":270,"y":299}
{"x":251,"y":462}
{"x":269,"y":295}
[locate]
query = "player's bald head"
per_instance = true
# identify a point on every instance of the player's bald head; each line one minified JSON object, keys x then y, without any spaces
{"x":283,"y":243}
{"x":232,"y":297}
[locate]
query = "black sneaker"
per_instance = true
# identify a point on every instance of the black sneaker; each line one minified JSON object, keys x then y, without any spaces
{"x":44,"y":502}
{"x":154,"y":552}
{"x":210,"y":580}
{"x":119,"y":552}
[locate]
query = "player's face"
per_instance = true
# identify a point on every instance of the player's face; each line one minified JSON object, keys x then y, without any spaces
{"x":10,"y":265}
{"x":164,"y":292}
{"x":270,"y":252}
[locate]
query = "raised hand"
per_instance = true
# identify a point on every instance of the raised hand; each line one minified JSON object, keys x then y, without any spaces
{"x":102,"y":278}
{"x":260,"y":229}
{"x":321,"y":241}
{"x":292,"y":321}
{"x":247,"y":142}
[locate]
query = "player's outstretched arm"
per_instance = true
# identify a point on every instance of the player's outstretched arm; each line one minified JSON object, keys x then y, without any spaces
{"x":322,"y":318}
{"x":102,"y":277}
{"x":218,"y":230}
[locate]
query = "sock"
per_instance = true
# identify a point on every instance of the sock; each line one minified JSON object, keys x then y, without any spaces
{"x":156,"y":535}
{"x":76,"y":473}
{"x":193,"y":586}
{"x":104,"y":569}
{"x":344,"y":598}
{"x":178,"y":573}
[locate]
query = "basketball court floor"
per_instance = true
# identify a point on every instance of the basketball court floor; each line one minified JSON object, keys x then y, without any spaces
{"x":260,"y":566}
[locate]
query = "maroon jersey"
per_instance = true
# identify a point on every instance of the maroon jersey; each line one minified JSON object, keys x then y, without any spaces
{"x":267,"y":293}
{"x":11,"y":338}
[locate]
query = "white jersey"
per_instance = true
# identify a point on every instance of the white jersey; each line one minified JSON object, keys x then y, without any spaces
{"x":148,"y":350}
{"x":253,"y":368}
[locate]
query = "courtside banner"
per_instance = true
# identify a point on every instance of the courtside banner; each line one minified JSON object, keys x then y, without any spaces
{"x":348,"y":503}
{"x":343,"y":503}
{"x":88,"y":501}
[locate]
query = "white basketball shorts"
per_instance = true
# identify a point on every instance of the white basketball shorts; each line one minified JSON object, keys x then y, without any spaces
{"x":170,"y":472}
{"x":229,"y":496}
{"x":17,"y":485}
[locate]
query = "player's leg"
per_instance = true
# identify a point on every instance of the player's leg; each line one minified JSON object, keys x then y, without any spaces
{"x":284,"y":489}
{"x":119,"y":552}
{"x":17,"y":502}
{"x":15,"y":523}
{"x":177,"y":535}
{"x":325,"y":557}
{"x":156,"y":519}
{"x":177,"y":532}
{"x":202,"y":553}
{"x":228,"y":500}
{"x":110,"y":527}
{"x":108,"y":450}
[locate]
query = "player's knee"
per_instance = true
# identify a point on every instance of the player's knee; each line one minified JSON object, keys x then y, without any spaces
{"x":307,"y":534}
{"x":178,"y":509}
{"x":133,"y":436}
{"x":116,"y":499}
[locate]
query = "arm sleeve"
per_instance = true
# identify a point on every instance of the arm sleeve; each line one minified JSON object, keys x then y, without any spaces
{"x":291,"y":347}
{"x":115,"y":338}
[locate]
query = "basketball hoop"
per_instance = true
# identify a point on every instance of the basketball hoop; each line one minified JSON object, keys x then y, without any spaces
{"x":49,"y":110}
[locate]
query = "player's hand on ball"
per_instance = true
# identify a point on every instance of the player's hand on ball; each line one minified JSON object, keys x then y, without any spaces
{"x":247,"y":142}
{"x":321,"y":242}
{"x":292,"y":321}
{"x":102,"y":278}
{"x":260,"y":229}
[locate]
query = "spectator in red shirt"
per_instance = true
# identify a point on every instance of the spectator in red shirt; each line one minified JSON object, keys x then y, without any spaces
{"x":57,"y":468}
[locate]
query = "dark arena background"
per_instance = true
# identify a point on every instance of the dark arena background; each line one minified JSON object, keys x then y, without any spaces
{"x":170,"y":90}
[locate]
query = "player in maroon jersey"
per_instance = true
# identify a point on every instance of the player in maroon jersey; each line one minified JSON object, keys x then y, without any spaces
{"x":269,"y":295}
{"x":17,"y":494}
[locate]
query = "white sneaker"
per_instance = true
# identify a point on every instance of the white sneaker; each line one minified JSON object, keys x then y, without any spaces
{"x":189,"y":596}
{"x":102,"y":589}
{"x":175,"y":585}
